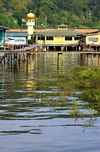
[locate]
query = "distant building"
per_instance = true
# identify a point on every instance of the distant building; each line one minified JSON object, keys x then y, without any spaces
{"x":16,"y":37}
{"x":51,"y":37}
{"x":60,"y":36}
{"x":2,"y":34}
{"x":92,"y":38}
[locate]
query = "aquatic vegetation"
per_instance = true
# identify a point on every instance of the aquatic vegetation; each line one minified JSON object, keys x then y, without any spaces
{"x":84,"y":79}
{"x":58,"y":86}
{"x":75,"y":109}
{"x":87,"y":77}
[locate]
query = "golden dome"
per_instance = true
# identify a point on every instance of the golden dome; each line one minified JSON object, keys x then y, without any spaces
{"x":30,"y":15}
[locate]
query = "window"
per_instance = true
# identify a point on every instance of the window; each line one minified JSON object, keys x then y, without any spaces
{"x":68,"y":38}
{"x":41,"y":38}
{"x":62,"y":27}
{"x":49,"y":38}
{"x":94,"y":39}
{"x":77,"y":38}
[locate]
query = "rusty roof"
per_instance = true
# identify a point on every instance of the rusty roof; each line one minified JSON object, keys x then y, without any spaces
{"x":54,"y":31}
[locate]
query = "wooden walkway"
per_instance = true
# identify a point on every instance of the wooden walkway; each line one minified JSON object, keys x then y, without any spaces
{"x":40,"y":48}
{"x":25,"y":53}
{"x":23,"y":49}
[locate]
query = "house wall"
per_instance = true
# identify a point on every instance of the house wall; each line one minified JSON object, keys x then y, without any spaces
{"x":2,"y":36}
{"x":58,"y":40}
{"x":93,"y":39}
{"x":16,"y":40}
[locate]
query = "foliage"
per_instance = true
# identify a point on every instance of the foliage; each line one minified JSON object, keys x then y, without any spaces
{"x":86,"y":79}
{"x":75,"y":13}
{"x":8,"y":21}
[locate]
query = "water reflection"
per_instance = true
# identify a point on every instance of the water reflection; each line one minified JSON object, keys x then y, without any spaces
{"x":35,"y":110}
{"x":90,"y":59}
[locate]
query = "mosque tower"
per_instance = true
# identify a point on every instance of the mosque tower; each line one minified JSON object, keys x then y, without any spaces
{"x":30,"y":24}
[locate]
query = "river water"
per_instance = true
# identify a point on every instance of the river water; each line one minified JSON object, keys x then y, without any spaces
{"x":34,"y":118}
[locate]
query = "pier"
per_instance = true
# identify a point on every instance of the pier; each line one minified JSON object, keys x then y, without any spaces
{"x":27,"y":53}
{"x":38,"y":47}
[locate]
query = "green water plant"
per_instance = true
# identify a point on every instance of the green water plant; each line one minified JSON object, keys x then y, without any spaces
{"x":86,"y":77}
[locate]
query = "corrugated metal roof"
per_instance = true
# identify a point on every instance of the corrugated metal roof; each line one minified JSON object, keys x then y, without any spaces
{"x":86,"y":30}
{"x":62,"y":25}
{"x":5,"y":28}
{"x":40,"y":30}
{"x":93,"y":33}
{"x":17,"y":34}
{"x":59,"y":32}
{"x":51,"y":32}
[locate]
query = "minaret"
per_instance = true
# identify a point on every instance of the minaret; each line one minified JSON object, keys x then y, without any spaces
{"x":30,"y":23}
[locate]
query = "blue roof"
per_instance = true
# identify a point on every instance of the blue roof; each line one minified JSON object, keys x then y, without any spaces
{"x":5,"y":28}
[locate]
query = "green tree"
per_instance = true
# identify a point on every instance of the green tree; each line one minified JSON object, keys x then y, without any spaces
{"x":75,"y":13}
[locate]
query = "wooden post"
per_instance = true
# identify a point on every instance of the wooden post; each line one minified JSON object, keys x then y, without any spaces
{"x":58,"y":54}
{"x":62,"y":48}
{"x":35,"y":49}
{"x":44,"y":48}
{"x":66,"y":48}
{"x":47,"y":47}
{"x":54,"y":48}
{"x":5,"y":58}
